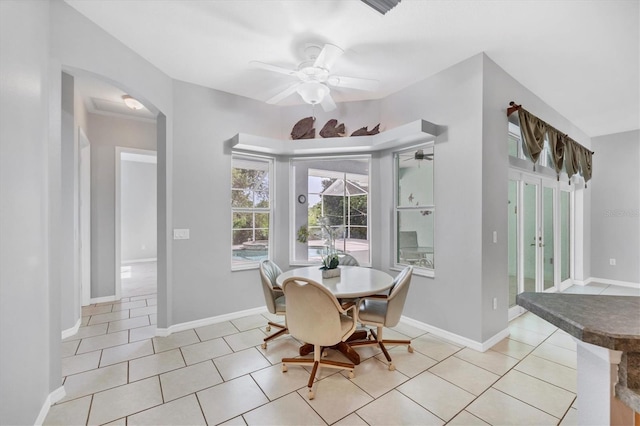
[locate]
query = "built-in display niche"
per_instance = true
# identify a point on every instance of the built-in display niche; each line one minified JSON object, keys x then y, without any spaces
{"x":416,"y":132}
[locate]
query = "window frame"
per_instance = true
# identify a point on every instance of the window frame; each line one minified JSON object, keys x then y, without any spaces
{"x":395,"y":264}
{"x":270,"y":161}
{"x":293,"y":202}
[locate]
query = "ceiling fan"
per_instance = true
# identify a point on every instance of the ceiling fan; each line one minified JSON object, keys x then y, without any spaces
{"x":420,"y":155}
{"x":315,"y":78}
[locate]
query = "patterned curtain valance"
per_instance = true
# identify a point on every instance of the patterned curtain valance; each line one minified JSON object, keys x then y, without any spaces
{"x":564,"y":150}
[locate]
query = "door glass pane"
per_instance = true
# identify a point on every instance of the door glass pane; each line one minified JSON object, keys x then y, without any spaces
{"x":547,"y":238}
{"x":564,"y":236}
{"x":530,"y":242}
{"x":512,"y":244}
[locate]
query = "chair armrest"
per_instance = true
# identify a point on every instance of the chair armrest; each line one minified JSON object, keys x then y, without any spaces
{"x":371,"y":297}
{"x":352,"y":307}
{"x":348,"y":305}
{"x":377,"y":296}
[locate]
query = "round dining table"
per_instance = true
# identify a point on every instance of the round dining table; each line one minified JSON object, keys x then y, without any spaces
{"x":353,"y":282}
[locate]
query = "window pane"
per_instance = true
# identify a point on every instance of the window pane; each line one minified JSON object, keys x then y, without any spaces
{"x":547,"y":240}
{"x":565,"y":252}
{"x":336,"y":191}
{"x":512,"y":243}
{"x":250,"y":196}
{"x":415,"y":238}
{"x":415,"y":177}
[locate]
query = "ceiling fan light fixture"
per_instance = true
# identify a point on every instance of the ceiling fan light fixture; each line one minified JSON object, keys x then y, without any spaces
{"x":312,"y":92}
{"x":132,"y":102}
{"x":382,"y":6}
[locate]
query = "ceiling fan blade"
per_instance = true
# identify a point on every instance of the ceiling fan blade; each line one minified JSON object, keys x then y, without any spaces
{"x":273,"y":68}
{"x":328,"y":56}
{"x":328,"y":103}
{"x":286,"y":92}
{"x":353,"y":83}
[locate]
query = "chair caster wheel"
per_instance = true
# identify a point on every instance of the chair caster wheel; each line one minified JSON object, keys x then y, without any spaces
{"x":392,"y":367}
{"x":284,"y":368}
{"x":351,"y":375}
{"x":410,"y":349}
{"x":264,"y":346}
{"x":268,"y":328}
{"x":311,"y":394}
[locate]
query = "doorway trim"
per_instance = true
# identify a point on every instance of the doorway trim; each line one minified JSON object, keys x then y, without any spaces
{"x":118,"y":159}
{"x":84,"y":215}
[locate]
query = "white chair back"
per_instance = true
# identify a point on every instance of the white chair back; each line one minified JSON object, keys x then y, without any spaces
{"x":397,"y":297}
{"x":313,"y":313}
{"x":269,"y":271}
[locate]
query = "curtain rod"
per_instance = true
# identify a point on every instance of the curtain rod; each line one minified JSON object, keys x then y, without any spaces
{"x":513,"y":107}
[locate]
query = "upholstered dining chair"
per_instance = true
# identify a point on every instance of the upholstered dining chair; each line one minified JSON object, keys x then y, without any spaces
{"x":348,"y":260}
{"x":273,"y":296}
{"x":314,"y":316}
{"x":381,"y":310}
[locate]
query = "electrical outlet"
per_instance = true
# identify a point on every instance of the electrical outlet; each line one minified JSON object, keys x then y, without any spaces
{"x":180,"y":234}
{"x":612,"y":262}
{"x":495,"y":236}
{"x":495,"y":303}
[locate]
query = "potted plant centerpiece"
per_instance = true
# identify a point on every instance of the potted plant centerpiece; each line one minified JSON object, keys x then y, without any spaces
{"x":331,"y":261}
{"x":330,"y":266}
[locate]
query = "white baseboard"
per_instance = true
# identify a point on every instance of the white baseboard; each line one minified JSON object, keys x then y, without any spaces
{"x":51,"y":399}
{"x":151,"y":259}
{"x":103,"y":299}
{"x":455,"y":338}
{"x":71,"y":331}
{"x":478,"y":346}
{"x":613,"y":282}
{"x":164,"y":332}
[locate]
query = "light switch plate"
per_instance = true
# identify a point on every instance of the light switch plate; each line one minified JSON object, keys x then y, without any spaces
{"x":180,"y":234}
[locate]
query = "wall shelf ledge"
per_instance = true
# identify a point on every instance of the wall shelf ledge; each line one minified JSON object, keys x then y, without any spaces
{"x":418,"y":131}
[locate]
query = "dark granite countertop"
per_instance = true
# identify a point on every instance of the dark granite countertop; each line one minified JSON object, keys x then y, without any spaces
{"x":612,"y":322}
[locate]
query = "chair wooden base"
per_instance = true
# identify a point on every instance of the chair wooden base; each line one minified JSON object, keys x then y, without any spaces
{"x":317,"y":362}
{"x":342,"y":347}
{"x":283,"y":330}
{"x":380,"y":342}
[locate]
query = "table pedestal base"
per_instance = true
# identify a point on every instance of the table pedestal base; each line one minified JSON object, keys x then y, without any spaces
{"x":342,"y":347}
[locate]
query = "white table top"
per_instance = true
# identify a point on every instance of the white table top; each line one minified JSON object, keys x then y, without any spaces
{"x":354,"y":281}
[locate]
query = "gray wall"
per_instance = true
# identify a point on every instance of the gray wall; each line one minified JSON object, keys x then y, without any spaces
{"x":203,"y":285}
{"x":615,"y":206}
{"x":138,"y":204}
{"x":105,"y":133}
{"x":452,"y":98}
{"x":29,"y":289}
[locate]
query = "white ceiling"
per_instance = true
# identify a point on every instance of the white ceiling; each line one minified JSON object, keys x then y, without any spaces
{"x":582,"y":57}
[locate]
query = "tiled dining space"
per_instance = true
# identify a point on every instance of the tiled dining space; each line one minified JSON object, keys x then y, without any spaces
{"x":116,"y":372}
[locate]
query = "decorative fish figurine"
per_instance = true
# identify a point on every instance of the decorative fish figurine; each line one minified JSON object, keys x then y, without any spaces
{"x":362,"y":131}
{"x":332,"y":129}
{"x":304,"y":129}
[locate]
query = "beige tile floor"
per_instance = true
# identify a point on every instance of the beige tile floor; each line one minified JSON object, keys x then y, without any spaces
{"x":218,"y":374}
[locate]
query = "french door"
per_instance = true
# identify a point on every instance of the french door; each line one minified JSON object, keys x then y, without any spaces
{"x":539,"y":236}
